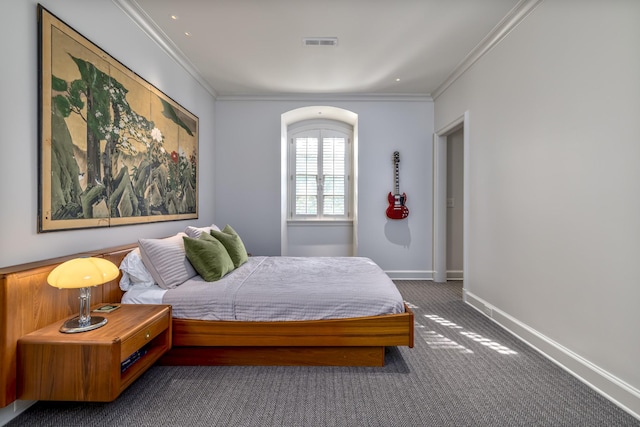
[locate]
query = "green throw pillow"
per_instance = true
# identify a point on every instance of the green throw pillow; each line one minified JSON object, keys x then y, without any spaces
{"x":208,"y":256}
{"x":232,"y":242}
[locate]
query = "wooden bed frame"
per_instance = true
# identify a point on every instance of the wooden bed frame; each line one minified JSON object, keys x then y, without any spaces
{"x":28,"y":303}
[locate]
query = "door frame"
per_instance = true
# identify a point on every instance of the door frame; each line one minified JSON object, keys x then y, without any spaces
{"x":440,"y":199}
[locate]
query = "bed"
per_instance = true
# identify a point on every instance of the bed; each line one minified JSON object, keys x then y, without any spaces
{"x":27,"y":303}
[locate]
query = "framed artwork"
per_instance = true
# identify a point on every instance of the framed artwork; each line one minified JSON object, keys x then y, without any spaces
{"x":113,"y":149}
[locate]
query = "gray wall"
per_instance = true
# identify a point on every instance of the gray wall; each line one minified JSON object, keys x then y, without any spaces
{"x":554,"y":205}
{"x":248,"y":173}
{"x":108,"y":27}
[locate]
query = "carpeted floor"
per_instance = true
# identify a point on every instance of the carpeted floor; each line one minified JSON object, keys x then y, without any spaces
{"x":463,"y":371}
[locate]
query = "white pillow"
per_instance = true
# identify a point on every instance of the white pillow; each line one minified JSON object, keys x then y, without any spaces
{"x":166,"y":260}
{"x":134,"y":273}
{"x":195,"y":232}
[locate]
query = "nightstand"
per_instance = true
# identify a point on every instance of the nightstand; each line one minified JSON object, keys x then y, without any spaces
{"x":96,"y":365}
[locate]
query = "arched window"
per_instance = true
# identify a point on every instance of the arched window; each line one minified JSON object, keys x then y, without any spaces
{"x":320,"y":164}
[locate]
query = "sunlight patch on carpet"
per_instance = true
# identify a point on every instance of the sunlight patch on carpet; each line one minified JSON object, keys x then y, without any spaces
{"x":493,"y":345}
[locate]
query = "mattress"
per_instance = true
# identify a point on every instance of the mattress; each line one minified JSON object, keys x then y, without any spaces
{"x":289,"y":288}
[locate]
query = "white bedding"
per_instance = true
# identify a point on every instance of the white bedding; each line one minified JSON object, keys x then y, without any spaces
{"x":144,"y":295}
{"x":286,"y":288}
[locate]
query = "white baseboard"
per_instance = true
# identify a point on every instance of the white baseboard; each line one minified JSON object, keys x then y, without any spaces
{"x":410,"y":274}
{"x":455,"y":275}
{"x":14,"y":409}
{"x":421,"y":274}
{"x":614,"y":389}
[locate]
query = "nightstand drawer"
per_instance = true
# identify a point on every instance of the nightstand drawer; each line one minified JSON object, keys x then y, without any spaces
{"x":144,"y":336}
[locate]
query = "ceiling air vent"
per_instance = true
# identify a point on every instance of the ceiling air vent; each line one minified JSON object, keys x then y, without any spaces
{"x":320,"y":41}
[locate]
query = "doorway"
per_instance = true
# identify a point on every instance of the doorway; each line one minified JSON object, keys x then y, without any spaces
{"x":455,"y":205}
{"x":450,"y":201}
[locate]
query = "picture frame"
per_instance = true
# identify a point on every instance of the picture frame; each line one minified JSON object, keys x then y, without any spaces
{"x":112,"y":148}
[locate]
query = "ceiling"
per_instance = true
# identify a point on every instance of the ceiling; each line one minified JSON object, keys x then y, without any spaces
{"x":255,"y":47}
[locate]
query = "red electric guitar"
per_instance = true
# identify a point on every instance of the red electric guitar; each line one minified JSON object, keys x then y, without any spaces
{"x":397,"y":208}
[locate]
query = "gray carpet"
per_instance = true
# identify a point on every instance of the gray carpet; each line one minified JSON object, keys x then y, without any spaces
{"x":463,"y":371}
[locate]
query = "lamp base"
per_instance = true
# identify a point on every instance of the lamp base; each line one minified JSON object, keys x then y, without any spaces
{"x":72,"y":326}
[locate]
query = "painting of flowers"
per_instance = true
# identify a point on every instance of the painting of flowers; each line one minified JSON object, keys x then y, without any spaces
{"x":114,"y":150}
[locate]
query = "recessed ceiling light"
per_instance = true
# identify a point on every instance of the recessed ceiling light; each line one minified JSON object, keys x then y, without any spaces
{"x":187,"y":33}
{"x":397,"y":79}
{"x":175,"y":17}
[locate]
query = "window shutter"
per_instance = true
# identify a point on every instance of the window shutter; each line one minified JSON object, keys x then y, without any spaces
{"x":306,"y":176}
{"x":333,"y":175}
{"x":320,"y":163}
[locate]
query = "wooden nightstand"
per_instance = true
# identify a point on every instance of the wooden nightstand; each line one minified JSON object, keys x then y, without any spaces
{"x":88,"y":366}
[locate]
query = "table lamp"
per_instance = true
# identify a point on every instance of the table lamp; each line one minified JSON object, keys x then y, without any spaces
{"x":83,"y":273}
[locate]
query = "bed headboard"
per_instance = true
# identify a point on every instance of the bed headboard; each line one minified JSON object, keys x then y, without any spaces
{"x":28,"y":303}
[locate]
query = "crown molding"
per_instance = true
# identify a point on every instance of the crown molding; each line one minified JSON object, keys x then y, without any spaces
{"x":133,"y":10}
{"x":327,"y":97}
{"x":499,"y":32}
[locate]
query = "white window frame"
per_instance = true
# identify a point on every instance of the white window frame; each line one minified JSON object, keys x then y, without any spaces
{"x":327,"y":128}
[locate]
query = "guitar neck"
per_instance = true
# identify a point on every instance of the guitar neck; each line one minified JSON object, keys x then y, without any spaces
{"x":397,"y":179}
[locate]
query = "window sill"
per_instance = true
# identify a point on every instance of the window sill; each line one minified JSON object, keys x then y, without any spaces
{"x":319,"y":222}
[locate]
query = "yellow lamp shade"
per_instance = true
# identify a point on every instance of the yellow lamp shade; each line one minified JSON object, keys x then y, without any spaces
{"x":82,"y":273}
